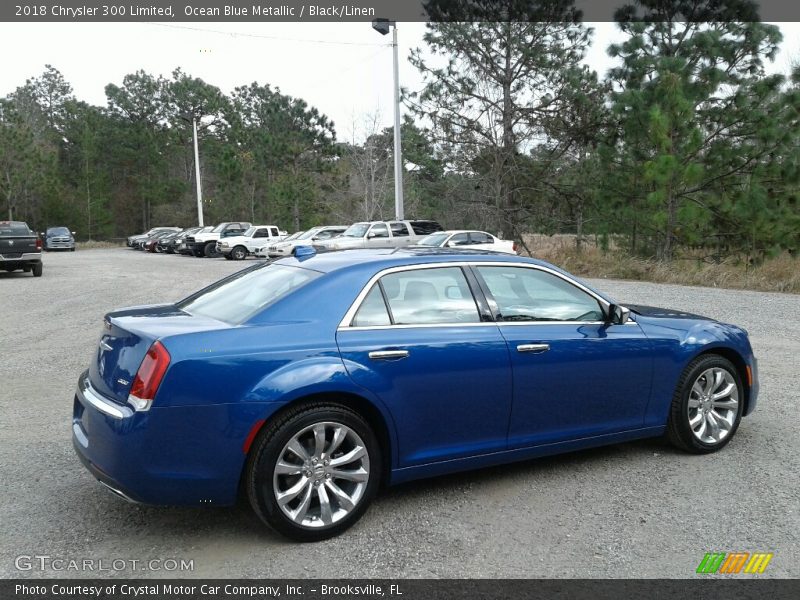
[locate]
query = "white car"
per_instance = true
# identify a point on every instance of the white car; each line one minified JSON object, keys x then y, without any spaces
{"x":315,"y":234}
{"x":239,"y":246}
{"x":463,"y":238}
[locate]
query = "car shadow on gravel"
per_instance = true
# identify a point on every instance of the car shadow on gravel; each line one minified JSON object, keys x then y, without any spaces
{"x":240,"y":522}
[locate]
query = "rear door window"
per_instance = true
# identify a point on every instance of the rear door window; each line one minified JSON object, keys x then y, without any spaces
{"x":429,"y":296}
{"x":373,"y":311}
{"x":399,"y":229}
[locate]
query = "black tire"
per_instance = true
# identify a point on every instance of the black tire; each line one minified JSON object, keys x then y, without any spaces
{"x":37,"y":269}
{"x":72,"y":249}
{"x":210,"y":250}
{"x":267,"y":449}
{"x":198,"y":252}
{"x":239,"y":253}
{"x":679,"y":433}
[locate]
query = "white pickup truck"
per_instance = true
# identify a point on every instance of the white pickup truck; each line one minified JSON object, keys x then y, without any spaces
{"x":238,"y":247}
{"x":380,"y":234}
{"x":307,"y":238}
{"x":205,"y":243}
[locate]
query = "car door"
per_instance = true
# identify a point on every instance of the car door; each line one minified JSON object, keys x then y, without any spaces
{"x":259,"y":239}
{"x":417,"y":339}
{"x":400,"y":234}
{"x":575,"y":375}
{"x":378,"y":236}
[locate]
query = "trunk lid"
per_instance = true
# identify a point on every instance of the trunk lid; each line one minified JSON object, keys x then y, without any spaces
{"x":127,"y":336}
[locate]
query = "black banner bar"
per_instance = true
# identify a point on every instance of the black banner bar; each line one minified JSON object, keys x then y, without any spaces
{"x":367,"y":10}
{"x":702,"y":588}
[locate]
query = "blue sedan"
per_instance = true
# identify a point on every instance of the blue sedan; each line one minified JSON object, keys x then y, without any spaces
{"x":309,"y":382}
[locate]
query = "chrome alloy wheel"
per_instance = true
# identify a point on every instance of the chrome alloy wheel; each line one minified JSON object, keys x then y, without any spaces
{"x":321,"y":474}
{"x":713,"y":405}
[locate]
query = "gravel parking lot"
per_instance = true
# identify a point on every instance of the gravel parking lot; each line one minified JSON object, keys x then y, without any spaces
{"x":631,"y":510}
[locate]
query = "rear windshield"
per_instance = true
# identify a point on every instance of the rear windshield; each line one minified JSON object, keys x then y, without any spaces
{"x":435,"y":239}
{"x":237,"y":298}
{"x":10,"y":228}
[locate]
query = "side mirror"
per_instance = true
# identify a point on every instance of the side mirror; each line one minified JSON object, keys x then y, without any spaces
{"x":371,"y":235}
{"x":73,"y":232}
{"x":618,"y":315}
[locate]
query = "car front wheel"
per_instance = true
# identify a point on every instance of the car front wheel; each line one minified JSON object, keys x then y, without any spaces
{"x":211,"y":250}
{"x":707,"y":405}
{"x":312,"y":473}
{"x":239,"y":253}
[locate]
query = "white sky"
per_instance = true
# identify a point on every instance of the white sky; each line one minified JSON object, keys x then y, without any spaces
{"x":347,"y":77}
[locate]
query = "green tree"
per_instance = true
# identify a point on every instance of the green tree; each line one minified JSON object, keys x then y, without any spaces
{"x":697,"y":118}
{"x":492,"y":87}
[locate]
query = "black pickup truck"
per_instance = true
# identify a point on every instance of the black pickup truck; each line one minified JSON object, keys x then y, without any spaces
{"x":20,"y":248}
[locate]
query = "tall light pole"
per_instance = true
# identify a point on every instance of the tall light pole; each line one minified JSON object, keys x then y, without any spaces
{"x":382,"y":26}
{"x":197,"y":173}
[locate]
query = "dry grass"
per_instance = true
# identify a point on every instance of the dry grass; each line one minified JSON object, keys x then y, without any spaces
{"x":92,"y":245}
{"x":779,"y":274}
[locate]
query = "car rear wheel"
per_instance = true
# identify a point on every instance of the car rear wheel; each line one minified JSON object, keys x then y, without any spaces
{"x":210,"y":250}
{"x":37,"y":269}
{"x":707,"y":405}
{"x":312,"y":473}
{"x":239,"y":253}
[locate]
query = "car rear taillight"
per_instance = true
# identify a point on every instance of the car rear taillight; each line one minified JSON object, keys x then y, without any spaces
{"x":514,"y":247}
{"x":148,"y":377}
{"x":38,"y":243}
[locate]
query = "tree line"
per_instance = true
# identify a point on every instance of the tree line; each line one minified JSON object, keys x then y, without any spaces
{"x":686,"y":143}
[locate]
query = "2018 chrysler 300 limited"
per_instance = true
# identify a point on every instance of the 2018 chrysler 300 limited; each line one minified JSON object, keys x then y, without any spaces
{"x":309,"y":382}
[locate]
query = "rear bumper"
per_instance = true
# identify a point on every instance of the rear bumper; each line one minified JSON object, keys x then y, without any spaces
{"x":25,"y":259}
{"x":187,"y":456}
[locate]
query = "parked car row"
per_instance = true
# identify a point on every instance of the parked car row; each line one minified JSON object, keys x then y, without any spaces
{"x":236,"y":240}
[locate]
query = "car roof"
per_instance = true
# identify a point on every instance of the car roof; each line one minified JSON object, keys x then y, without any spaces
{"x":381,"y":258}
{"x":454,"y":231}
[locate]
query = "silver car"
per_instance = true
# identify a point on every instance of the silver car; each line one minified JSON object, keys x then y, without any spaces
{"x":381,"y":234}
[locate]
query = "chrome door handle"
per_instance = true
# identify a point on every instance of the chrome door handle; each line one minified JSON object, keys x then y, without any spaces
{"x":533,"y":348}
{"x":388,"y":354}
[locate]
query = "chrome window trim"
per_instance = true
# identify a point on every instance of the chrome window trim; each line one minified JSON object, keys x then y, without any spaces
{"x":101,"y":404}
{"x":345,"y":323}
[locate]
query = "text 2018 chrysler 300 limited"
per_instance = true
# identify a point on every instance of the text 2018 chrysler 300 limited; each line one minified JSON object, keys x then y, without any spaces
{"x":308,"y":382}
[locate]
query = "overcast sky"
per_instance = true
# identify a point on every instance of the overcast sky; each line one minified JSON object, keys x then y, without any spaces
{"x":343,"y":69}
